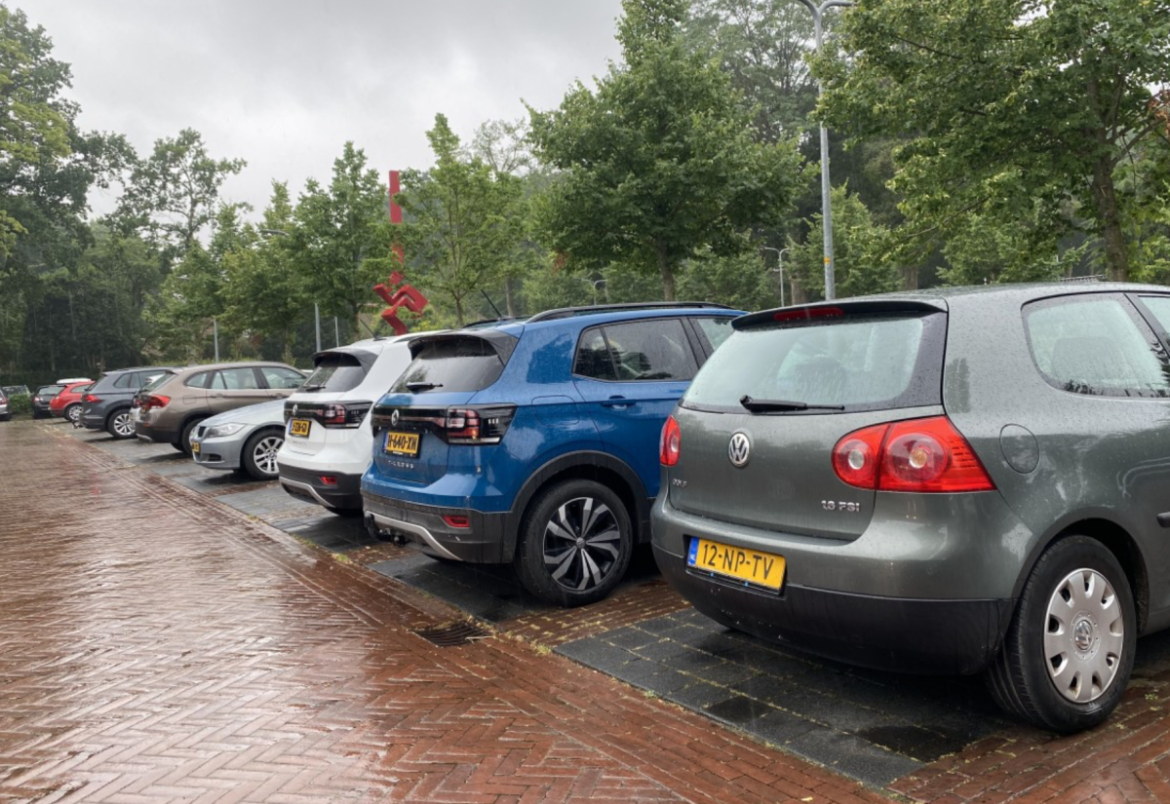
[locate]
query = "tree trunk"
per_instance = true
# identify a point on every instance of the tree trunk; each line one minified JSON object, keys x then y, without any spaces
{"x":509,"y":297}
{"x":459,"y":311}
{"x":667,"y":272}
{"x":799,"y":294}
{"x":909,"y":277}
{"x":1109,"y":216}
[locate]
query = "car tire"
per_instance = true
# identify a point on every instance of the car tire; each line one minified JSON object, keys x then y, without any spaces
{"x":178,"y":447}
{"x":72,"y":413}
{"x":120,"y":425}
{"x":184,"y":444}
{"x":1070,"y":648}
{"x":259,"y":456}
{"x":575,"y":543}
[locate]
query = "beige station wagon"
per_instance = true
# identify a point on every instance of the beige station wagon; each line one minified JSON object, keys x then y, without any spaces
{"x":169,"y":410}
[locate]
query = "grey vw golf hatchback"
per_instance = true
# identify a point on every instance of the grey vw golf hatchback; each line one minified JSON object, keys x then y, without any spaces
{"x":949,"y":481}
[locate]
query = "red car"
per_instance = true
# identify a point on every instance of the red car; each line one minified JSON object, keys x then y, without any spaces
{"x":67,"y":404}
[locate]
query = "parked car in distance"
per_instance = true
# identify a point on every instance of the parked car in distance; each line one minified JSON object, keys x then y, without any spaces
{"x":43,"y":398}
{"x":5,"y":414}
{"x":329,"y":443}
{"x":535,"y":442}
{"x":16,"y":390}
{"x":244,"y":440}
{"x":954,"y":480}
{"x":106,"y":405}
{"x":172,"y":408}
{"x":68,"y":403}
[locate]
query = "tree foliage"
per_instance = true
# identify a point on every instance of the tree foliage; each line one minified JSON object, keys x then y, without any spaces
{"x":660,"y":161}
{"x":460,"y":221}
{"x":1018,"y":112}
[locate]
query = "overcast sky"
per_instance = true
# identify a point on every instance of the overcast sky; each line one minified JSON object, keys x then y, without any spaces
{"x":284,"y":84}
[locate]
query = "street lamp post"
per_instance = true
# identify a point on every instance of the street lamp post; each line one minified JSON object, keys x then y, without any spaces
{"x":826,"y":203}
{"x":779,"y":268}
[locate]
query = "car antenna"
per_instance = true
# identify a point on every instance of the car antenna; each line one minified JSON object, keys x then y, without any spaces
{"x":493,"y":304}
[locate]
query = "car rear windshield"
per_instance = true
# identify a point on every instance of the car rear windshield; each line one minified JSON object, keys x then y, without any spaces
{"x":336,"y":373}
{"x":158,"y":382}
{"x":867,"y":362}
{"x":458,"y":364}
{"x":50,"y":390}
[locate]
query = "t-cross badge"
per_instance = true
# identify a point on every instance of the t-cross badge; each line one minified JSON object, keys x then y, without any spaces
{"x":957,"y":481}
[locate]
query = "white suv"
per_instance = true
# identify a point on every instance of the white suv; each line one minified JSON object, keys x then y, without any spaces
{"x":328,"y":442}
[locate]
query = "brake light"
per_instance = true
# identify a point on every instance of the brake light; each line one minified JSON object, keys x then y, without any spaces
{"x":670,"y":443}
{"x":152,"y":402}
{"x":458,"y":521}
{"x":348,"y":415}
{"x":477,"y":426}
{"x":919,"y":455}
{"x":91,"y":399}
{"x":808,"y":313}
{"x":328,"y":480}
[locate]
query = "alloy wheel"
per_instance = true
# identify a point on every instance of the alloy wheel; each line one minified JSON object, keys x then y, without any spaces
{"x":1084,"y":636}
{"x":73,"y":413}
{"x":581,"y":543}
{"x":264,"y":454}
{"x":123,"y":425}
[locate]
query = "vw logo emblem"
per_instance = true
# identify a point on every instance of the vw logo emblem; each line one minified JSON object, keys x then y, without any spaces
{"x":739,"y":450}
{"x":294,"y":411}
{"x":394,"y":419}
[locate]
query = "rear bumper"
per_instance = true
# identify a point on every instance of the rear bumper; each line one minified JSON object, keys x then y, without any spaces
{"x":156,"y":435}
{"x":307,"y":486}
{"x":895,"y":634}
{"x":423,"y":526}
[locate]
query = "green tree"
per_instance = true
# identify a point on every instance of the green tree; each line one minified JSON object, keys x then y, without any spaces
{"x":174,"y":193}
{"x":661,"y":161}
{"x":339,"y":238}
{"x":1018,"y":111}
{"x":263,"y":292}
{"x":460,"y":221}
{"x":861,"y":267}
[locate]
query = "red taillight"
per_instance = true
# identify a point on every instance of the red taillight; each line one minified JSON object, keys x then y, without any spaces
{"x":458,"y":521}
{"x":808,"y":313}
{"x":91,"y":399}
{"x":855,"y":458}
{"x":349,"y":415}
{"x":670,"y":444}
{"x":919,"y":455}
{"x":152,"y":402}
{"x":478,"y":425}
{"x":328,"y":480}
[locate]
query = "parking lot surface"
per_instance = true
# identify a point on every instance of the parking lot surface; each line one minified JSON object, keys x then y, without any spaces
{"x":163,"y":638}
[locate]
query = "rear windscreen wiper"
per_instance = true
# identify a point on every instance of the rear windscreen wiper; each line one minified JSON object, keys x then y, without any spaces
{"x":309,"y":388}
{"x":415,"y":387}
{"x":781,"y":406}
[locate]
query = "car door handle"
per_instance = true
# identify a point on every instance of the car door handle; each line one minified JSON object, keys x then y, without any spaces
{"x":618,"y":403}
{"x":215,"y":396}
{"x":1164,"y":520}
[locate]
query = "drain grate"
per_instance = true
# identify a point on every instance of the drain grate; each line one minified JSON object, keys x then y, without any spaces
{"x":452,"y":634}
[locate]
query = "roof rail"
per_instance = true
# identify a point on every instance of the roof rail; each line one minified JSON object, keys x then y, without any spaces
{"x":569,"y":312}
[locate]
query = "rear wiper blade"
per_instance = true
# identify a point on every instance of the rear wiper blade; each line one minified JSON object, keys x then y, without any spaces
{"x":414,"y":387}
{"x":310,"y":387}
{"x":781,"y":405}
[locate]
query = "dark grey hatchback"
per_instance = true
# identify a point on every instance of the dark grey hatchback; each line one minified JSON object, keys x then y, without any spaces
{"x":944,"y":482}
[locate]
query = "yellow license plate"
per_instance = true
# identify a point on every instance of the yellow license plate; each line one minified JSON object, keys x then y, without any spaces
{"x":194,"y":447}
{"x":761,"y":569}
{"x":299,"y":428}
{"x":402,"y":444}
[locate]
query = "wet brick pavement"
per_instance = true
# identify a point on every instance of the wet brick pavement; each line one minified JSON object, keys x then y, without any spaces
{"x":155,"y":652}
{"x":157,"y":646}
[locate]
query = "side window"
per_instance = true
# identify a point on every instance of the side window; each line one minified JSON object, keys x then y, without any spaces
{"x":126,"y":381}
{"x":651,"y":350}
{"x":715,"y":330}
{"x":147,"y":377}
{"x":237,"y":379}
{"x":198,"y":380}
{"x":1159,"y":307}
{"x":281,"y":378}
{"x":593,"y":359}
{"x":1096,"y":345}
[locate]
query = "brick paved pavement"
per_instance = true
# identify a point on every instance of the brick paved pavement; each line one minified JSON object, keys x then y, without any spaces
{"x":155,"y":646}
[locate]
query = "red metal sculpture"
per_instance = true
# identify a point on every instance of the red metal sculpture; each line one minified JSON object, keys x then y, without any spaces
{"x":405,"y":296}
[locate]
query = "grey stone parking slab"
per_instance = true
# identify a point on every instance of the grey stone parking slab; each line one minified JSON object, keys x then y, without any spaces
{"x":489,"y":592}
{"x":332,"y":532}
{"x":873,"y":726}
{"x":267,"y":503}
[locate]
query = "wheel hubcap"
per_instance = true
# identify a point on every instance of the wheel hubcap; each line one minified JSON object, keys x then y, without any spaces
{"x":265,"y":454}
{"x":1084,"y":636}
{"x":582,"y":543}
{"x":122,"y":424}
{"x":74,"y":414}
